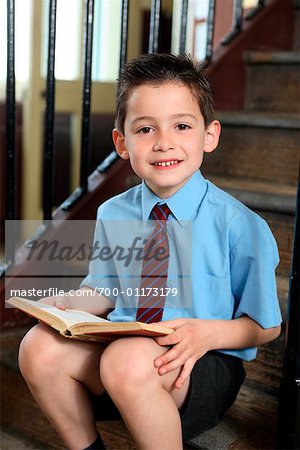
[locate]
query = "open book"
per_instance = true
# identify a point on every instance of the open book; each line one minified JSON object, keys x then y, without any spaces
{"x":85,"y":326}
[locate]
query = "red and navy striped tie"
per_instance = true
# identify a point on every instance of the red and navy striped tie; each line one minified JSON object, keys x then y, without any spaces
{"x":155,"y":269}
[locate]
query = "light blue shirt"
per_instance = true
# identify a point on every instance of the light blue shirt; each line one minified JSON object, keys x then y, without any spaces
{"x":222,"y":256}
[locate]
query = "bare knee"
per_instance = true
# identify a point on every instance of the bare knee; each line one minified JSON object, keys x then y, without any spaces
{"x":127,"y":364}
{"x":39,"y":353}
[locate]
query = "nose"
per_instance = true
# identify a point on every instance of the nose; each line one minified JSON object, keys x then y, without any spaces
{"x":164,"y":142}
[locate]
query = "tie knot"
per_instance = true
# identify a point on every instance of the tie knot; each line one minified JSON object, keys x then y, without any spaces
{"x":160,"y":212}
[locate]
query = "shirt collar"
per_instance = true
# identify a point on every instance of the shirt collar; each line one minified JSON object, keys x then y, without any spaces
{"x":182,"y":204}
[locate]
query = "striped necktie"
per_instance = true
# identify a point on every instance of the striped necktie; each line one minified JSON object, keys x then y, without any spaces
{"x":155,"y":269}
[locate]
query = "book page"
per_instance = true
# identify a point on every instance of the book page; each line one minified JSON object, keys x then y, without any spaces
{"x":72,"y":316}
{"x":68,"y":316}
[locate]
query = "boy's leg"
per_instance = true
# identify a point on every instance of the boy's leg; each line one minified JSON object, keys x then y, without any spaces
{"x":147,"y":401}
{"x":59,"y":373}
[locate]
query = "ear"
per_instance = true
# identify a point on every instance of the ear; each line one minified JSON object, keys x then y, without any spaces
{"x":119,"y":141}
{"x":212,"y":134}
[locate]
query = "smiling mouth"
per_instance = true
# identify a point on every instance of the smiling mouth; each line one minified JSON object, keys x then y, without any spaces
{"x":166,"y":163}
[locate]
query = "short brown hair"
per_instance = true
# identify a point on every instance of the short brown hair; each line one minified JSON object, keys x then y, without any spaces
{"x":159,"y":68}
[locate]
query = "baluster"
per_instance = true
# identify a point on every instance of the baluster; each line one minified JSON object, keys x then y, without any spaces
{"x":183,"y":26}
{"x":237,"y":22}
{"x":10,"y":201}
{"x":210,"y":31}
{"x":86,"y":107}
{"x":154,"y":26}
{"x":124,"y":33}
{"x":49,"y":116}
{"x":86,"y":98}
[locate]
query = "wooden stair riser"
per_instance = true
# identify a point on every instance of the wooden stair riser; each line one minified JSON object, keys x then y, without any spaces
{"x":282,"y":227}
{"x":296,"y":45}
{"x":273,"y":87}
{"x":253,"y":153}
{"x":265,"y":372}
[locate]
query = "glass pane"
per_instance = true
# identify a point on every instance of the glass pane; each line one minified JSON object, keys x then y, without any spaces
{"x":22,"y":34}
{"x":68,"y":39}
{"x":247,"y":4}
{"x":106,"y":49}
{"x":196,"y":27}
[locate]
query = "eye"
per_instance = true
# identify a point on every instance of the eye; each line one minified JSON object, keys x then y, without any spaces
{"x":145,"y":130}
{"x":183,"y":126}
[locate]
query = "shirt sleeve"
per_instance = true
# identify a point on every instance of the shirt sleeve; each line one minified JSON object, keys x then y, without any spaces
{"x":102,"y":275}
{"x":254,"y":258}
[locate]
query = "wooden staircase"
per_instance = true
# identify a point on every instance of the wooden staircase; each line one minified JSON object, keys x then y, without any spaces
{"x":258,"y":163}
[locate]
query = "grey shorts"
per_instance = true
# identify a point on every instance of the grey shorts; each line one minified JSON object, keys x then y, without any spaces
{"x":215,"y":382}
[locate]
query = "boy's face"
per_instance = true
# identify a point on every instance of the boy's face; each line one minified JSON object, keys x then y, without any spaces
{"x":164,"y":136}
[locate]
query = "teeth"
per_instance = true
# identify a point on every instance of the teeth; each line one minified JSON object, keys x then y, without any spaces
{"x":167,"y":163}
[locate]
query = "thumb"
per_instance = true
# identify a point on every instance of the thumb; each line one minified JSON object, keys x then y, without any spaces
{"x":176,"y":323}
{"x":60,"y":304}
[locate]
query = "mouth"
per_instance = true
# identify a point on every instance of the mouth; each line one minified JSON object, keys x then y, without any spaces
{"x":166,"y":163}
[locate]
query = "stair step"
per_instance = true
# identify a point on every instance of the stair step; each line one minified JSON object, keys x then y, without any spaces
{"x":260,"y":195}
{"x":267,"y":57}
{"x":285,"y":120}
{"x":282,"y":226}
{"x":273,"y":81}
{"x":265,"y":372}
{"x":257,"y":146}
{"x":276,"y":204}
{"x":250,"y":423}
{"x":296,"y":45}
{"x":12,"y":440}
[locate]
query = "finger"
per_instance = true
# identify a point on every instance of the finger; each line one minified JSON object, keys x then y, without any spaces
{"x":185,"y":373}
{"x":61,"y":306}
{"x":174,"y":361}
{"x":175,"y":349}
{"x":170,"y":339}
{"x":173,"y":323}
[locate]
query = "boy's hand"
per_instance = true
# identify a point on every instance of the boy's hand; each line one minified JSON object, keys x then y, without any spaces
{"x":191,"y":339}
{"x":60,"y":301}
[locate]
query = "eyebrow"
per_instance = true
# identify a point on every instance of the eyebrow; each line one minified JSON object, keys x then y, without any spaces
{"x":174,"y":116}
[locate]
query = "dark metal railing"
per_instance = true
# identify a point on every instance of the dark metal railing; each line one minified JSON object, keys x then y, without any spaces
{"x":49,"y":115}
{"x":154,"y":26}
{"x":289,"y":399}
{"x":236,"y":24}
{"x":210,"y":31}
{"x":10,"y":201}
{"x":183,"y":26}
{"x":86,"y":107}
{"x":155,"y":23}
{"x":124,"y":33}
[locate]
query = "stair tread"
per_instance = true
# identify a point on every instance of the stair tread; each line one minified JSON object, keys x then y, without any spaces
{"x":259,"y":119}
{"x":262,"y":195}
{"x":272,"y":57}
{"x":12,"y":440}
{"x":244,"y":426}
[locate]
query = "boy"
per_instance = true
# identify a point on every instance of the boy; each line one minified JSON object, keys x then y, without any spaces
{"x":171,"y":388}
